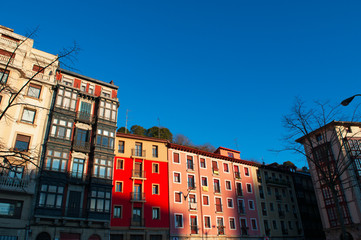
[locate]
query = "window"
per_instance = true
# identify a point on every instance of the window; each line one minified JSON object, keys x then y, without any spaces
{"x":249,"y":188}
{"x":22,"y":143}
{"x":108,"y":110}
{"x":203,"y":163}
{"x":155,"y":151}
{"x":91,"y":89}
{"x":225,"y":167}
{"x":176,"y":158}
{"x":120,"y":164}
{"x":318,"y":137}
{"x":215,"y":167}
{"x":4,"y":75}
{"x":251,"y":204}
{"x":204,"y":181}
{"x":28,"y":115}
{"x":220,"y":226}
{"x":271,"y":207}
{"x":77,"y":168}
{"x":51,"y":196}
{"x":100,"y":200}
{"x":246,"y":171}
{"x":118,"y":186}
{"x":191,"y":182}
{"x":56,"y":160}
{"x":264,"y":210}
{"x":232,"y":224}
{"x":117,"y":213}
{"x":103,"y":167}
{"x":156,"y":213}
{"x":155,"y":189}
{"x":66,"y":99}
{"x":155,"y":168}
{"x":37,"y":68}
{"x":261,"y":194}
{"x":207,"y":222}
{"x":218,"y":204}
{"x":241,"y":208}
{"x":269,"y":191}
{"x":231,"y":155}
{"x":105,"y":138}
{"x":230,"y":203}
{"x":286,"y":208}
{"x":138,"y":149}
{"x":105,"y":94}
{"x":177,"y":197}
{"x":176,"y":177}
{"x":10,"y":208}
{"x":228,"y":185}
{"x":190,"y":163}
{"x":254,"y":224}
{"x":290,"y":226}
{"x":205,"y":200}
{"x":274,"y":225}
{"x":67,"y":82}
{"x":216,"y":185}
{"x":121,"y":146}
{"x":239,"y":189}
{"x":178,"y":220}
{"x":61,"y":129}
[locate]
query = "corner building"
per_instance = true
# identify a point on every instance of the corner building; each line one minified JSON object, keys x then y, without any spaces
{"x":211,"y":195}
{"x":73,"y":199}
{"x":140,"y":206}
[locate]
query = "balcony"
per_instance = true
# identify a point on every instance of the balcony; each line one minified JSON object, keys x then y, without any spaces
{"x":277,"y":182}
{"x":81,"y":146}
{"x":192,"y":206}
{"x":194,"y":229}
{"x":219,"y":208}
{"x":138,"y":174}
{"x":6,"y":59}
{"x":138,"y":153}
{"x":237,"y":175}
{"x":8,"y":41}
{"x":77,"y":177}
{"x":75,"y":212}
{"x":221,"y":230}
{"x":16,"y":184}
{"x":191,"y":186}
{"x":137,"y":222}
{"x":84,"y":117}
{"x":137,"y":197}
{"x":241,"y":210}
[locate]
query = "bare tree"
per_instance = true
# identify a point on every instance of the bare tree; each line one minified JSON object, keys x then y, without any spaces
{"x":326,"y":148}
{"x":12,"y":93}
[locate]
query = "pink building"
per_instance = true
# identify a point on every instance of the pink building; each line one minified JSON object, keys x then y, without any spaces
{"x":211,"y":194}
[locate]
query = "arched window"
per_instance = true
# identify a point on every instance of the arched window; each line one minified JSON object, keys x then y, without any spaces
{"x":43,"y":236}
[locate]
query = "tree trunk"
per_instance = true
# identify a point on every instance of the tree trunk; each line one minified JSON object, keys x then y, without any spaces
{"x":339,"y":213}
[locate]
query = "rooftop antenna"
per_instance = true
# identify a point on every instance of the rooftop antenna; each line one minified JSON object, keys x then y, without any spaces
{"x":235,"y":140}
{"x":126,"y":121}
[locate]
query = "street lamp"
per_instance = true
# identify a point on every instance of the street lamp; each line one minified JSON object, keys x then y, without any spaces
{"x":348,"y":100}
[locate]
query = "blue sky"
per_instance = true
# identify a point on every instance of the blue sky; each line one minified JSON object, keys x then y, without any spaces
{"x":214,"y":71}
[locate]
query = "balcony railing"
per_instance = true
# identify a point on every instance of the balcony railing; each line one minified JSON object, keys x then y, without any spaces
{"x":217,"y":189}
{"x":194,"y":229}
{"x":190,"y":166}
{"x":215,"y":171}
{"x":78,"y":177}
{"x":221,"y":230}
{"x":276,"y":181}
{"x":84,"y":117}
{"x":137,"y":196}
{"x":81,"y":146}
{"x":138,"y":152}
{"x":5,"y":59}
{"x":138,"y":174}
{"x":237,"y":175}
{"x":192,"y":206}
{"x":17,"y":184}
{"x":191,"y":186}
{"x":241,"y":210}
{"x":9,"y":41}
{"x":137,"y":222}
{"x":219,"y":208}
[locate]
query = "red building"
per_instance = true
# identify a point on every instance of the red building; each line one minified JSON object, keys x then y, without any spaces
{"x":140,"y":196}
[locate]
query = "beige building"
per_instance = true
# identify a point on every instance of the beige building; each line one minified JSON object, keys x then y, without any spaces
{"x":277,"y":204}
{"x":22,"y":126}
{"x":335,"y":146}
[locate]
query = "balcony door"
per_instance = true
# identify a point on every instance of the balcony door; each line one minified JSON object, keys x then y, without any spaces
{"x":194,"y":227}
{"x":137,"y":216}
{"x":137,"y":190}
{"x":138,"y":169}
{"x":74,"y":204}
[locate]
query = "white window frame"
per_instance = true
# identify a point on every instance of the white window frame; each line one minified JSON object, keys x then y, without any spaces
{"x":209,"y":203}
{"x":180,"y":161}
{"x":235,"y":223}
{"x":181,"y":200}
{"x":33,"y":117}
{"x":255,"y":220}
{"x":225,"y":184}
{"x":210,"y":221}
{"x":224,"y":169}
{"x":249,"y":206}
{"x":249,"y":174}
{"x":232,"y":203}
{"x":247,"y":188}
{"x":180,"y":178}
{"x":205,"y":163}
{"x":175,"y":220}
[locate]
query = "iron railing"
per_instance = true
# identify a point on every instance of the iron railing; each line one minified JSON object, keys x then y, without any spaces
{"x":137,"y":196}
{"x":137,"y":222}
{"x":138,"y":152}
{"x":138,"y":174}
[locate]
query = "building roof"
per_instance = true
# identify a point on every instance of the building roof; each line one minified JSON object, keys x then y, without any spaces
{"x":87,"y":78}
{"x":330,"y":124}
{"x":210,"y":154}
{"x":139,"y":137}
{"x":227,"y":149}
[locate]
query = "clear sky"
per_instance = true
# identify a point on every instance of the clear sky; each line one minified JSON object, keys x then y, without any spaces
{"x":223,"y":72}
